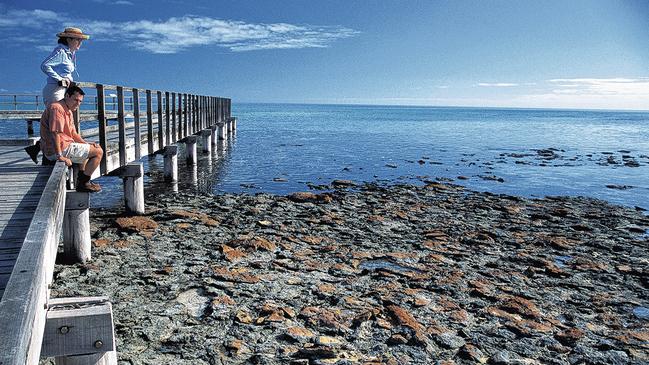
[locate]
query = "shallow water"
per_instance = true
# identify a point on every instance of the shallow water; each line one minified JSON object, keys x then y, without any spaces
{"x":282,"y":148}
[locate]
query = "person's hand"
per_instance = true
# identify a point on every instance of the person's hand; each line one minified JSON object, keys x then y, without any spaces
{"x":64,"y":83}
{"x":67,"y":161}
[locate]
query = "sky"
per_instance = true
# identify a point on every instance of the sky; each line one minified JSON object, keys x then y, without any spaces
{"x":583,"y":54}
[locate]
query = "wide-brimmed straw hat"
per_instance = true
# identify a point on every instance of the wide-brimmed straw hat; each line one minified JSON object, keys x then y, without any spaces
{"x":72,"y":32}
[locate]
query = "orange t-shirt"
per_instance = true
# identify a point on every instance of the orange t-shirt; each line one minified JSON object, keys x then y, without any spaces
{"x":57,"y":118}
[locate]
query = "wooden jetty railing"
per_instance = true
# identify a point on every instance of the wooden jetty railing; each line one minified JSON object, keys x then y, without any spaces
{"x":142,"y":123}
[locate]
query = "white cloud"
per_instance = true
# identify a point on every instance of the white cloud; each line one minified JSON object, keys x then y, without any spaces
{"x":118,"y":2}
{"x":497,"y":84}
{"x":605,"y":93}
{"x":21,"y":19}
{"x":178,"y":34}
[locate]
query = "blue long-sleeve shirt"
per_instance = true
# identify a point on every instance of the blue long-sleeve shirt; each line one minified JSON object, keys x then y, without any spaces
{"x":59,"y":65}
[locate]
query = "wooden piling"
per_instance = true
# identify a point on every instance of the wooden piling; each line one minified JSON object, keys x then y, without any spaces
{"x":171,"y":163}
{"x":190,"y":149}
{"x":206,"y":140}
{"x":220,"y":127}
{"x":133,"y":175}
{"x":76,"y":227}
{"x":213,"y":136}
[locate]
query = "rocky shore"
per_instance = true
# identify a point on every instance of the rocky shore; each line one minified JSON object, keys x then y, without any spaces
{"x":372,"y":275}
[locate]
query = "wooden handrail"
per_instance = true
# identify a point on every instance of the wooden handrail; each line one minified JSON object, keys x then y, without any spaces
{"x":22,"y":309}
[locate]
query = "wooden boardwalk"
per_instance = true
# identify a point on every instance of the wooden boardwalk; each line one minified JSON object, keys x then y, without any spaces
{"x":21,"y":186}
{"x":33,"y":198}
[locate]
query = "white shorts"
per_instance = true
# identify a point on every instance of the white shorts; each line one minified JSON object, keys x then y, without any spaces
{"x":76,"y":152}
{"x":52,"y":93}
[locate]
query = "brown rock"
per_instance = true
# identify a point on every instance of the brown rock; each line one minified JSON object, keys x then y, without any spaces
{"x":100,"y":243}
{"x":328,"y":341}
{"x":570,"y":336}
{"x":237,"y":276}
{"x":397,"y":339}
{"x":472,"y":353}
{"x":326,"y":289}
{"x":307,"y":197}
{"x":202,"y":217}
{"x":299,"y":334}
{"x":223,"y":300}
{"x":243,"y":317}
{"x":141,"y":225}
{"x":519,"y":305}
{"x":237,"y":347}
{"x":232,"y":254}
{"x":404,"y":318}
{"x":183,"y":225}
{"x":261,"y":243}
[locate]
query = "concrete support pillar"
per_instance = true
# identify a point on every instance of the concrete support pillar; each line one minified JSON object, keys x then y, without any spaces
{"x":206,"y":136}
{"x":190,"y":143}
{"x":234,"y":124}
{"x":228,"y":125}
{"x":220,"y":128}
{"x":133,"y":175}
{"x":76,"y":227}
{"x":171,"y":163}
{"x":214,"y":137}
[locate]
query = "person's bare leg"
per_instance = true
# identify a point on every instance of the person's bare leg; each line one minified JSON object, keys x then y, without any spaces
{"x":94,"y":158}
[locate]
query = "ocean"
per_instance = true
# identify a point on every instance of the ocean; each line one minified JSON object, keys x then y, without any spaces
{"x":284,"y":148}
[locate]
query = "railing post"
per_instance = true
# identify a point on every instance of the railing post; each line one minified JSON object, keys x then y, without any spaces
{"x":101,"y":118}
{"x":161,"y":141}
{"x":185,"y":116}
{"x":121,"y":122}
{"x":167,"y":122}
{"x":136,"y":122}
{"x":194,"y":111}
{"x":149,"y":121}
{"x":180,"y":117}
{"x":174,"y":134}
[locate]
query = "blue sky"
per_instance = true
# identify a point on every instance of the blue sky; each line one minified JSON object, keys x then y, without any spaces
{"x":560,"y":54}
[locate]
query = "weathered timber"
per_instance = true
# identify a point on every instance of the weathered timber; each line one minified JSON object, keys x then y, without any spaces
{"x":22,"y":307}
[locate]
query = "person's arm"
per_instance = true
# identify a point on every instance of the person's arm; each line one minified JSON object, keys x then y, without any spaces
{"x":55,"y":58}
{"x":57,"y":149}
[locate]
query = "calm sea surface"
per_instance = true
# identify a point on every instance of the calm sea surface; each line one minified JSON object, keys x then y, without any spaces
{"x":283,"y":148}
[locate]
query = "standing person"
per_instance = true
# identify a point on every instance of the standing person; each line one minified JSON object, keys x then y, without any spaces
{"x":61,"y":142}
{"x":58,"y":67}
{"x":61,"y":63}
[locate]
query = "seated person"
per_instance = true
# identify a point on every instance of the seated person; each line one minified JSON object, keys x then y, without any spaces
{"x":61,"y":142}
